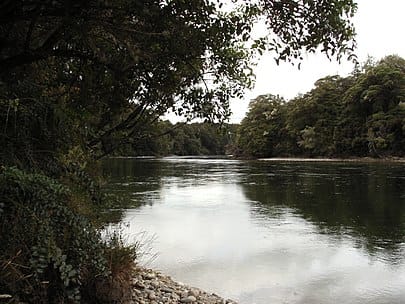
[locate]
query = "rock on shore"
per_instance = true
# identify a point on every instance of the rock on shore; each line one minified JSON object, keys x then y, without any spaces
{"x":152,"y":287}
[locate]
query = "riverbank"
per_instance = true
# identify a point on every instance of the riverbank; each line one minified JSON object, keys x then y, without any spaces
{"x":354,"y":160}
{"x":286,"y":159}
{"x":152,"y":287}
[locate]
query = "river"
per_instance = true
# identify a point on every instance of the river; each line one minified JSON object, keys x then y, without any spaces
{"x":268,"y":232}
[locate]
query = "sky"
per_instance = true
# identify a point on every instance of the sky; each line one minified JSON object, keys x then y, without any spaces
{"x":380,"y":27}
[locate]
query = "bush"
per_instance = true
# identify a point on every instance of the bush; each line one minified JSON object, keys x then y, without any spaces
{"x":117,"y":287}
{"x":48,"y":253}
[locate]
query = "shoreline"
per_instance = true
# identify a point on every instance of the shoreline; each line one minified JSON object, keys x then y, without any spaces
{"x":337,"y":160}
{"x":286,"y":159}
{"x":152,"y":287}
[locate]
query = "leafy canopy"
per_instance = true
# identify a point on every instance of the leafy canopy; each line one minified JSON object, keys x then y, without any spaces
{"x":359,"y":115}
{"x":115,"y":66}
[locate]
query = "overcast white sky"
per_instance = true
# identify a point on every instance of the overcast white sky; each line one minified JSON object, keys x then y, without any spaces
{"x":380,"y":27}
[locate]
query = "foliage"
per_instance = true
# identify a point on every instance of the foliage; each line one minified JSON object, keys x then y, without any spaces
{"x":47,"y":250}
{"x":164,"y":138}
{"x":261,"y":129}
{"x":108,"y":69}
{"x":120,"y":257}
{"x":81,"y":79}
{"x":360,"y":115}
{"x":307,"y":25}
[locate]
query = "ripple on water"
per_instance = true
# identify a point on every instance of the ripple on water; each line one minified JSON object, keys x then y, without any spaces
{"x":276,"y":232}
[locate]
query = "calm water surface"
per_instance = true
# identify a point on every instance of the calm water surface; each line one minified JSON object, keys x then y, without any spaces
{"x":270,"y":232}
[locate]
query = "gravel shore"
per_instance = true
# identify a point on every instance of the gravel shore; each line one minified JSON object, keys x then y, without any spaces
{"x":152,"y":287}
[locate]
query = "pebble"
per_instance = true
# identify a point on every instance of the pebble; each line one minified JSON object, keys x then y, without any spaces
{"x":151,"y":287}
{"x":189,"y":299}
{"x":193,"y":292}
{"x":183,"y":294}
{"x":167,"y":290}
{"x":149,"y":276}
{"x":154,"y":283}
{"x":5,"y":296}
{"x":152,"y":296}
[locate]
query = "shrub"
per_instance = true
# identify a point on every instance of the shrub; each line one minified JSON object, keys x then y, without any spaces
{"x":117,"y":287}
{"x":48,"y":253}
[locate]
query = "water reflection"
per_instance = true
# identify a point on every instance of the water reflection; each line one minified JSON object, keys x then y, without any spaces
{"x":365,"y":200}
{"x":265,"y":232}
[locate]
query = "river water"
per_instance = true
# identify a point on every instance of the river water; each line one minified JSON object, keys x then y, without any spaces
{"x":269,"y":232}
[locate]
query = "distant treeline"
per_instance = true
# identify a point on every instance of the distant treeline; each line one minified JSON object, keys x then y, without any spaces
{"x":359,"y":115}
{"x":356,"y":116}
{"x":165,"y":138}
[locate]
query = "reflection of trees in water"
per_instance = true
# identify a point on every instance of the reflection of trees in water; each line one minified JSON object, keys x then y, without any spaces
{"x":138,"y":182}
{"x":366,"y":201}
{"x":126,"y":180}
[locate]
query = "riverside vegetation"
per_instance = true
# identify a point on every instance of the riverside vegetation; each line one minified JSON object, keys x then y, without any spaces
{"x":81,"y":79}
{"x":361,"y":115}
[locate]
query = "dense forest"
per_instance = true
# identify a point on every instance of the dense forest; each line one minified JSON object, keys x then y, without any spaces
{"x":359,"y":115}
{"x":362,"y":115}
{"x":164,"y":138}
{"x":80,"y":80}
